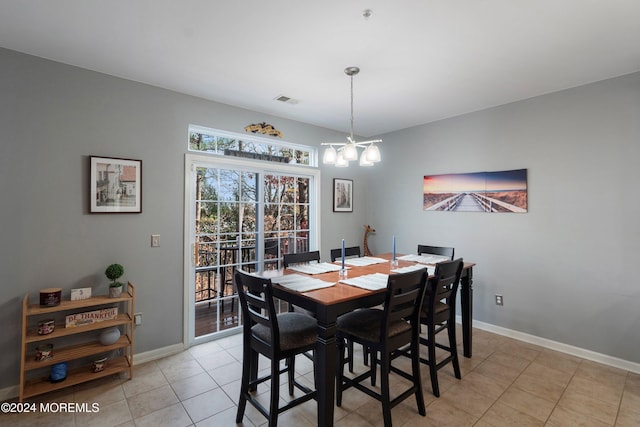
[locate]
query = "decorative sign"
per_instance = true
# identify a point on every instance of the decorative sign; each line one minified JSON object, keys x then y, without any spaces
{"x":89,"y":317}
{"x":263,"y":128}
{"x":80,"y":293}
{"x":502,"y":191}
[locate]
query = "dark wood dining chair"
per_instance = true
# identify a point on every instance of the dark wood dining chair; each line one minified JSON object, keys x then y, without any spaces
{"x":351,"y":251}
{"x":438,"y":314}
{"x":436,"y":250}
{"x":385,"y":331}
{"x":277,"y":337}
{"x":300,"y":258}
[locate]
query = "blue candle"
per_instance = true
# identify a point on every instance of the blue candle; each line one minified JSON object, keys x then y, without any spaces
{"x":394,"y":248}
{"x":343,"y":254}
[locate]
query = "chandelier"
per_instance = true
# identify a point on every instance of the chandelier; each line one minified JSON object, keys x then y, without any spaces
{"x":347,"y":151}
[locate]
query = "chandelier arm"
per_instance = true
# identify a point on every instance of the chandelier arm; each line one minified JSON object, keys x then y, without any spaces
{"x":366,"y":143}
{"x":358,"y":144}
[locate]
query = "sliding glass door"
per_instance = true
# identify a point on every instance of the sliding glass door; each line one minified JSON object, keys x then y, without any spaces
{"x":240,"y":216}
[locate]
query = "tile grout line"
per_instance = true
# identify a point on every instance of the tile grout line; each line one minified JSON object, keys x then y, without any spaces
{"x":503,"y":392}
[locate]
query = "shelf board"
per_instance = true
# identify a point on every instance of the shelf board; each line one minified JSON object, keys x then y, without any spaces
{"x":75,"y":352}
{"x":61,"y":331}
{"x":75,"y":376}
{"x":34,"y":309}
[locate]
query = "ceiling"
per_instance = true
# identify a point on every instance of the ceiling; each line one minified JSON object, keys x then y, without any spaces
{"x":420,"y":60}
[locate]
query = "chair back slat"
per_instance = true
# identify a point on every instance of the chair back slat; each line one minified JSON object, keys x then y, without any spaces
{"x":300,"y":257}
{"x":405,"y":293}
{"x":436,"y":250}
{"x":348,"y":252}
{"x":258,"y":310}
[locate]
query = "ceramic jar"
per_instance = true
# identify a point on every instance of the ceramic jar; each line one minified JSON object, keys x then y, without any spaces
{"x":109,"y":336}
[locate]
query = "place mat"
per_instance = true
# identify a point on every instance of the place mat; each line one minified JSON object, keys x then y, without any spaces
{"x":414,"y":267}
{"x":363,"y":261}
{"x":314,"y":268}
{"x":424,"y":258}
{"x":372,"y":282}
{"x":300,"y":283}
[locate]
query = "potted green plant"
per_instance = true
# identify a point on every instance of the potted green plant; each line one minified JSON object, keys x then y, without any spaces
{"x":113,"y":273}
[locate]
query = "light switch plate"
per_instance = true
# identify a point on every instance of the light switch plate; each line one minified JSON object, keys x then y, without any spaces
{"x":155,"y":240}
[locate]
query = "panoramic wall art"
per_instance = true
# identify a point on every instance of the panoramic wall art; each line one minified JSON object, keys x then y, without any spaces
{"x":502,"y":191}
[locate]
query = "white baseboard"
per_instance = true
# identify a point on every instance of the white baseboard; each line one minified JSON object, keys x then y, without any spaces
{"x":158,"y":353}
{"x":558,"y":346}
{"x":12,"y":392}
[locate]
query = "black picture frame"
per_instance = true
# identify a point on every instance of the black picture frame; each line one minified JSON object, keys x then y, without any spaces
{"x":342,"y":195}
{"x":115,"y":185}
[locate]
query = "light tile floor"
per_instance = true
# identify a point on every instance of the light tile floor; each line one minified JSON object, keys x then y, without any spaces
{"x":506,"y":383}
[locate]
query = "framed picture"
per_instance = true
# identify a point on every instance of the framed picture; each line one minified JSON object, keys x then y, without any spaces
{"x":499,"y":191}
{"x":115,"y":185}
{"x":342,"y":195}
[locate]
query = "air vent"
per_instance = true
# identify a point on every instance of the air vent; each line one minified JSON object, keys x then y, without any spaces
{"x":285,"y":99}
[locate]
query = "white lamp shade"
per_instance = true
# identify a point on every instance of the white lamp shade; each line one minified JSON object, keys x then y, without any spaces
{"x":329,"y":156}
{"x":350,"y":152}
{"x":373,"y":153}
{"x":340,"y":161}
{"x":364,"y":161}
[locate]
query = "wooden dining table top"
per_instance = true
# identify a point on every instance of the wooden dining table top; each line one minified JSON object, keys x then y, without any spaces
{"x":341,"y":292}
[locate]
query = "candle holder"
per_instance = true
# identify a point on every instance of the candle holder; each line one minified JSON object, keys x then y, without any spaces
{"x":394,"y":263}
{"x":44,"y":352}
{"x":342,"y":274}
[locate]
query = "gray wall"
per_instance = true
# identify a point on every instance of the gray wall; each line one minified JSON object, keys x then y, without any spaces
{"x":567,"y":267}
{"x":52,"y":117}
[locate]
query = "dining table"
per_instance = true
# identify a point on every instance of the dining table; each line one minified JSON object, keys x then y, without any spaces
{"x":329,"y":302}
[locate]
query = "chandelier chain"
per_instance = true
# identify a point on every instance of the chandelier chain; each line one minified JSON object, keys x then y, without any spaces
{"x":351,"y":107}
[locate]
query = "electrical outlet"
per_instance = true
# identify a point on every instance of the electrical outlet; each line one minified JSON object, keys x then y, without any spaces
{"x":499,"y":300}
{"x":137,"y":318}
{"x":155,"y":240}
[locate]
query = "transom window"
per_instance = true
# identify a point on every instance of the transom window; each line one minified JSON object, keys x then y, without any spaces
{"x":250,"y":146}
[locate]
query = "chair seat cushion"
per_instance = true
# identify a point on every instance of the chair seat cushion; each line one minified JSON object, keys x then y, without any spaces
{"x":297,"y":330}
{"x":365,"y":324}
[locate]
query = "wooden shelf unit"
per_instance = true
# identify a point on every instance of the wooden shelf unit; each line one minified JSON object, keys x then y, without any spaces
{"x":63,"y":351}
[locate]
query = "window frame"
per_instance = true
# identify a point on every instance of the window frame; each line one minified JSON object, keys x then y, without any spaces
{"x":248,"y":137}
